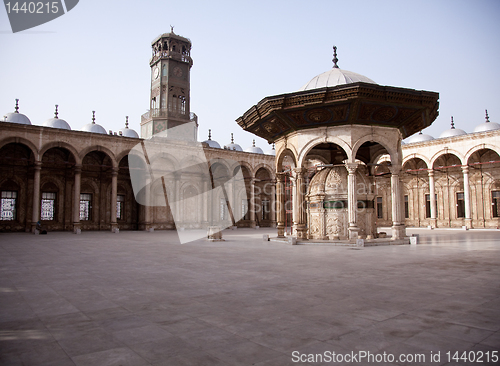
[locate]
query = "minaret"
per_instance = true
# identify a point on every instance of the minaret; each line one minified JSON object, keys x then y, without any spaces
{"x":169,"y":100}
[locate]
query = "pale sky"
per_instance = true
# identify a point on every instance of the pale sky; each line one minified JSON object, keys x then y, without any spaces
{"x":96,"y":57}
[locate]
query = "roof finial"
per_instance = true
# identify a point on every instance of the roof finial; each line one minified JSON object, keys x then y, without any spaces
{"x":126,"y":121}
{"x":172,"y":29}
{"x":93,"y":117}
{"x":335,"y":59}
{"x":17,"y":106}
{"x":273,"y":145}
{"x":209,"y":134}
{"x":56,"y":113}
{"x":452,"y":123}
{"x":253,"y":143}
{"x":232,"y":139}
{"x":487,"y":117}
{"x":420,"y":133}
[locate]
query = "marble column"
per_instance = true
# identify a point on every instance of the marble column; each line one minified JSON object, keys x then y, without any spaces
{"x":76,"y":199}
{"x":398,"y":227}
{"x":280,"y":204}
{"x":272,"y":204}
{"x":352,"y":201}
{"x":114,"y":194}
{"x":35,"y":216}
{"x":252,"y":204}
{"x":299,"y":208}
{"x":432,"y":193}
{"x":468,"y":217}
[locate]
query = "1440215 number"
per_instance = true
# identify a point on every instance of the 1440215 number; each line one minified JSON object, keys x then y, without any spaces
{"x":33,"y":7}
{"x":473,"y":356}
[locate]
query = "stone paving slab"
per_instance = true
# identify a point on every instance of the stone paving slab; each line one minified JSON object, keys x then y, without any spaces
{"x":140,"y":298}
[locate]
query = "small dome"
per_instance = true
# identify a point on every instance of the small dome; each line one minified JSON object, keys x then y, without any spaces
{"x":233,"y":146}
{"x":128,"y":132}
{"x":56,"y":122}
{"x":254,"y":149}
{"x":452,"y":131}
{"x":210,"y":142}
{"x":93,"y":127}
{"x":487,"y":126}
{"x":335,"y":77}
{"x":271,"y":152}
{"x":421,"y":137}
{"x":17,"y":117}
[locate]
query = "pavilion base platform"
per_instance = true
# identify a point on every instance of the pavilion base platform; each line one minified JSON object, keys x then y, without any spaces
{"x":345,"y":242}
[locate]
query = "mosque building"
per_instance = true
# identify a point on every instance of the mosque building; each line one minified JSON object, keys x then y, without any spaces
{"x":72,"y":178}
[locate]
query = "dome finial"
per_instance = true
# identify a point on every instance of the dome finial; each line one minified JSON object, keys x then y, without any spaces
{"x":126,"y":121}
{"x":452,"y":123}
{"x":335,"y":59}
{"x":17,"y":106}
{"x":232,"y":139}
{"x":209,"y":134}
{"x":273,"y":145}
{"x":487,"y":117}
{"x":93,"y":117}
{"x":172,"y":29}
{"x":253,"y":143}
{"x":56,"y":113}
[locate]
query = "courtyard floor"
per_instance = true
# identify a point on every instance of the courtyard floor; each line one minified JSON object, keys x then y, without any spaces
{"x":139,"y":298}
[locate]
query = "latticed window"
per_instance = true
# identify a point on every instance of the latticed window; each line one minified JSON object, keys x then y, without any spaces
{"x":460,"y":205}
{"x":8,"y":205}
{"x":407,"y":208}
{"x":48,"y":206}
{"x":120,"y":204}
{"x":495,"y":203}
{"x":85,"y":206}
{"x":380,"y":214}
{"x":265,"y":210}
{"x":223,"y":209}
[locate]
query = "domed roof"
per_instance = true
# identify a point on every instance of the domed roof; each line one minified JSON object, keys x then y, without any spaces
{"x":335,"y":77}
{"x":210,"y":142}
{"x":271,"y":152}
{"x":452,"y":131}
{"x":254,"y":149}
{"x":233,"y":146}
{"x":93,"y":127}
{"x":421,"y":137}
{"x":128,"y":132}
{"x":57,"y":122}
{"x":17,"y":117}
{"x":487,"y":126}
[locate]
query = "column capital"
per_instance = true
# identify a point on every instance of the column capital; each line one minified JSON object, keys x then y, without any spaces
{"x":38,"y":165}
{"x":114,"y":171}
{"x":430,"y":172}
{"x":280,"y":176}
{"x":78,"y":168}
{"x":465,"y":169}
{"x":395,"y":169}
{"x":351,"y":167}
{"x":300,"y":171}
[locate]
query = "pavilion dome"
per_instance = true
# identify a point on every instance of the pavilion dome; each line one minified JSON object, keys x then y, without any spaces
{"x":487,"y":126}
{"x":128,"y":132}
{"x":93,"y":127}
{"x":335,"y":77}
{"x":232,"y":145}
{"x":254,"y":149}
{"x":421,"y":137}
{"x":210,"y":142}
{"x":452,"y":132}
{"x":57,"y":122}
{"x":16,"y":117}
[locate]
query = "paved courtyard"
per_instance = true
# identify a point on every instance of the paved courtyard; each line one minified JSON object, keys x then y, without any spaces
{"x":138,"y":298}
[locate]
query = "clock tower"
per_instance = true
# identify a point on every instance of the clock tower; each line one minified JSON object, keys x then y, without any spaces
{"x":169,"y":101}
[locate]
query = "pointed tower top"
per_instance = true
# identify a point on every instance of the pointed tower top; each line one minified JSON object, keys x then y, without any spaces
{"x":487,"y":117}
{"x":17,"y":106}
{"x":335,"y":59}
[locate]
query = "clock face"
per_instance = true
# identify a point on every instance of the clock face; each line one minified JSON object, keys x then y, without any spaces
{"x":177,"y":71}
{"x":156,"y":72}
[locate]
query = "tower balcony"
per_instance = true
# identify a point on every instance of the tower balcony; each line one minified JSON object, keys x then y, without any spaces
{"x":174,"y":55}
{"x":167,"y":113}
